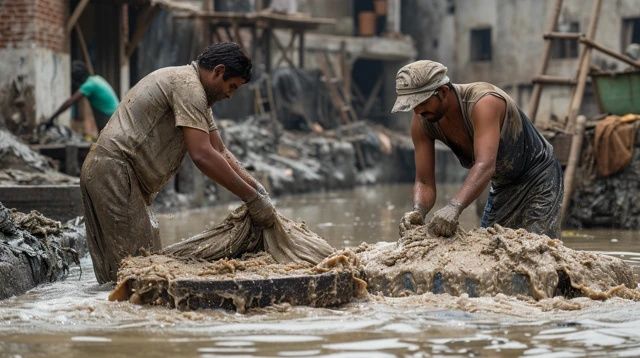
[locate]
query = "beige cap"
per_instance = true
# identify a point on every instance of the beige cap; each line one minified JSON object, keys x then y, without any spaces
{"x":416,"y":82}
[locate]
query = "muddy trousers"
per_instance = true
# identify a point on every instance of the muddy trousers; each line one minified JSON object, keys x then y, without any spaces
{"x":118,"y":221}
{"x":533,"y":205}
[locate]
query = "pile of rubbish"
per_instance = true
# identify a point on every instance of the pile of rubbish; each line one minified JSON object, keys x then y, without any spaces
{"x":19,"y":165}
{"x":35,"y":249}
{"x":604,"y":201}
{"x":294,"y":162}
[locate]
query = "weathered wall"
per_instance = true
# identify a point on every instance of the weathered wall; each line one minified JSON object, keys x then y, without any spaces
{"x":441,"y":29}
{"x":34,"y":61}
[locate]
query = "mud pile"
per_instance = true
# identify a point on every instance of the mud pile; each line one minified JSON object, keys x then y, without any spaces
{"x":487,"y":262}
{"x":35,"y":249}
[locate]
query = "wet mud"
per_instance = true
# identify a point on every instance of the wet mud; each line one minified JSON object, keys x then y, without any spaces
{"x":236,"y":265}
{"x":493,"y":261}
{"x":514,"y":266}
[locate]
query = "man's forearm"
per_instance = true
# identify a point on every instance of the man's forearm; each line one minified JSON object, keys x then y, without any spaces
{"x":216,"y":167}
{"x":424,"y":197}
{"x":239,"y":169}
{"x":477,"y":180}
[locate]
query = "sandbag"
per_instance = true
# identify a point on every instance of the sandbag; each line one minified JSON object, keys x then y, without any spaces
{"x":287,"y":241}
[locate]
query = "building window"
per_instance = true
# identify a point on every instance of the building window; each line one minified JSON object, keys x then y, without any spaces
{"x":630,"y":32}
{"x":481,"y":44}
{"x":565,"y":48}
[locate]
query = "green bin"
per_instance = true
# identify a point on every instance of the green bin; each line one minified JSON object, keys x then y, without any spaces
{"x":618,"y":93}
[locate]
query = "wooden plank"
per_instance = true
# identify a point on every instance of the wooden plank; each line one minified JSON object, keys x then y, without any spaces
{"x":557,"y":80}
{"x":73,"y":19}
{"x":572,"y":164}
{"x":562,"y":35}
{"x":145,"y":20}
{"x":534,"y":102}
{"x":583,"y":71}
{"x":372,"y":97}
{"x":284,"y":51}
{"x":85,"y":51}
{"x":606,"y":51}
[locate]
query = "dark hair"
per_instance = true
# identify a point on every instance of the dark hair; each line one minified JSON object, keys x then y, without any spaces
{"x":229,"y":54}
{"x":79,"y":74}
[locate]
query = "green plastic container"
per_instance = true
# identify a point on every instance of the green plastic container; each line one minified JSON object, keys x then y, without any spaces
{"x":618,"y":93}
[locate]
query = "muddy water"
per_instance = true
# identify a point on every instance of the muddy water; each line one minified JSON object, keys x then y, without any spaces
{"x":73,"y":318}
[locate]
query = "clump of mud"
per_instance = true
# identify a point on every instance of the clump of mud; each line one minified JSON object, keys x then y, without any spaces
{"x":487,"y":262}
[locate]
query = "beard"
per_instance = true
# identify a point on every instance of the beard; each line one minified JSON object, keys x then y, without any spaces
{"x":215,"y":96}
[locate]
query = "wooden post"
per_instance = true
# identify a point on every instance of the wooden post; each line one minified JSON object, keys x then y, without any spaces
{"x":537,"y":87}
{"x":583,"y":72}
{"x":606,"y":51}
{"x":572,"y":164}
{"x":124,"y":40}
{"x":85,"y":51}
{"x":301,"y":49}
{"x":345,"y":72}
{"x":73,"y":19}
{"x":144,"y":21}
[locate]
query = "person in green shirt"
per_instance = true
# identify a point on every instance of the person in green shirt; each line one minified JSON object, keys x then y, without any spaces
{"x":95,"y":89}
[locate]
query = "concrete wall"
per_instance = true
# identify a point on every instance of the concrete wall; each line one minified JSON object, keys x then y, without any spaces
{"x":441,"y":30}
{"x":34,"y":61}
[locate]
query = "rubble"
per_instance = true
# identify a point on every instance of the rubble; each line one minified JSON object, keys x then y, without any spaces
{"x":605,"y":202}
{"x":35,"y":249}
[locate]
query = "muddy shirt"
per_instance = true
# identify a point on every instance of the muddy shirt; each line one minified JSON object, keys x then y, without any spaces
{"x":145,"y":129}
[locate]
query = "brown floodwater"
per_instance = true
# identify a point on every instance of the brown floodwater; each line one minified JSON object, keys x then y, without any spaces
{"x":73,"y":318}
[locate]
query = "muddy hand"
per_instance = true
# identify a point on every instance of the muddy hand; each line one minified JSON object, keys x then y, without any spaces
{"x":262,"y":211}
{"x":445,"y":221}
{"x":410,"y":220}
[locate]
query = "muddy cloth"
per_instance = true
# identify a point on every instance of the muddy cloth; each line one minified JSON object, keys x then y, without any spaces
{"x":145,"y":129}
{"x":613,"y":143}
{"x":287,"y":241}
{"x":492,"y":261}
{"x":118,"y":221}
{"x":526,"y":189}
{"x":138,"y":151}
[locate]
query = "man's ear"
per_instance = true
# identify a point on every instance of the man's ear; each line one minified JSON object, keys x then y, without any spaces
{"x":218,"y":70}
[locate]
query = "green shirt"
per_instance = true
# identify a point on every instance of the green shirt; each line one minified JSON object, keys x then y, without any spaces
{"x":100,"y":94}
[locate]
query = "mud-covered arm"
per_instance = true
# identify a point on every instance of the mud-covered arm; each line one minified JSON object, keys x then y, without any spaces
{"x":424,"y":189}
{"x":218,"y":144}
{"x":213,"y":164}
{"x":66,"y":104}
{"x":486,"y":116}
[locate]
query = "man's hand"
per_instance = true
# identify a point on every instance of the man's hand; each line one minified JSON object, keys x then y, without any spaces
{"x":262,"y":211}
{"x":410,"y":220}
{"x":445,"y":221}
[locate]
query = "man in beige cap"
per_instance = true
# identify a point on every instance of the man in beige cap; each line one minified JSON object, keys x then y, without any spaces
{"x":492,"y":138}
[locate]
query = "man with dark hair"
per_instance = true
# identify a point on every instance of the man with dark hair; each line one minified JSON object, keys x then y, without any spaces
{"x":492,"y":138}
{"x":165,"y":115}
{"x":95,"y":89}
